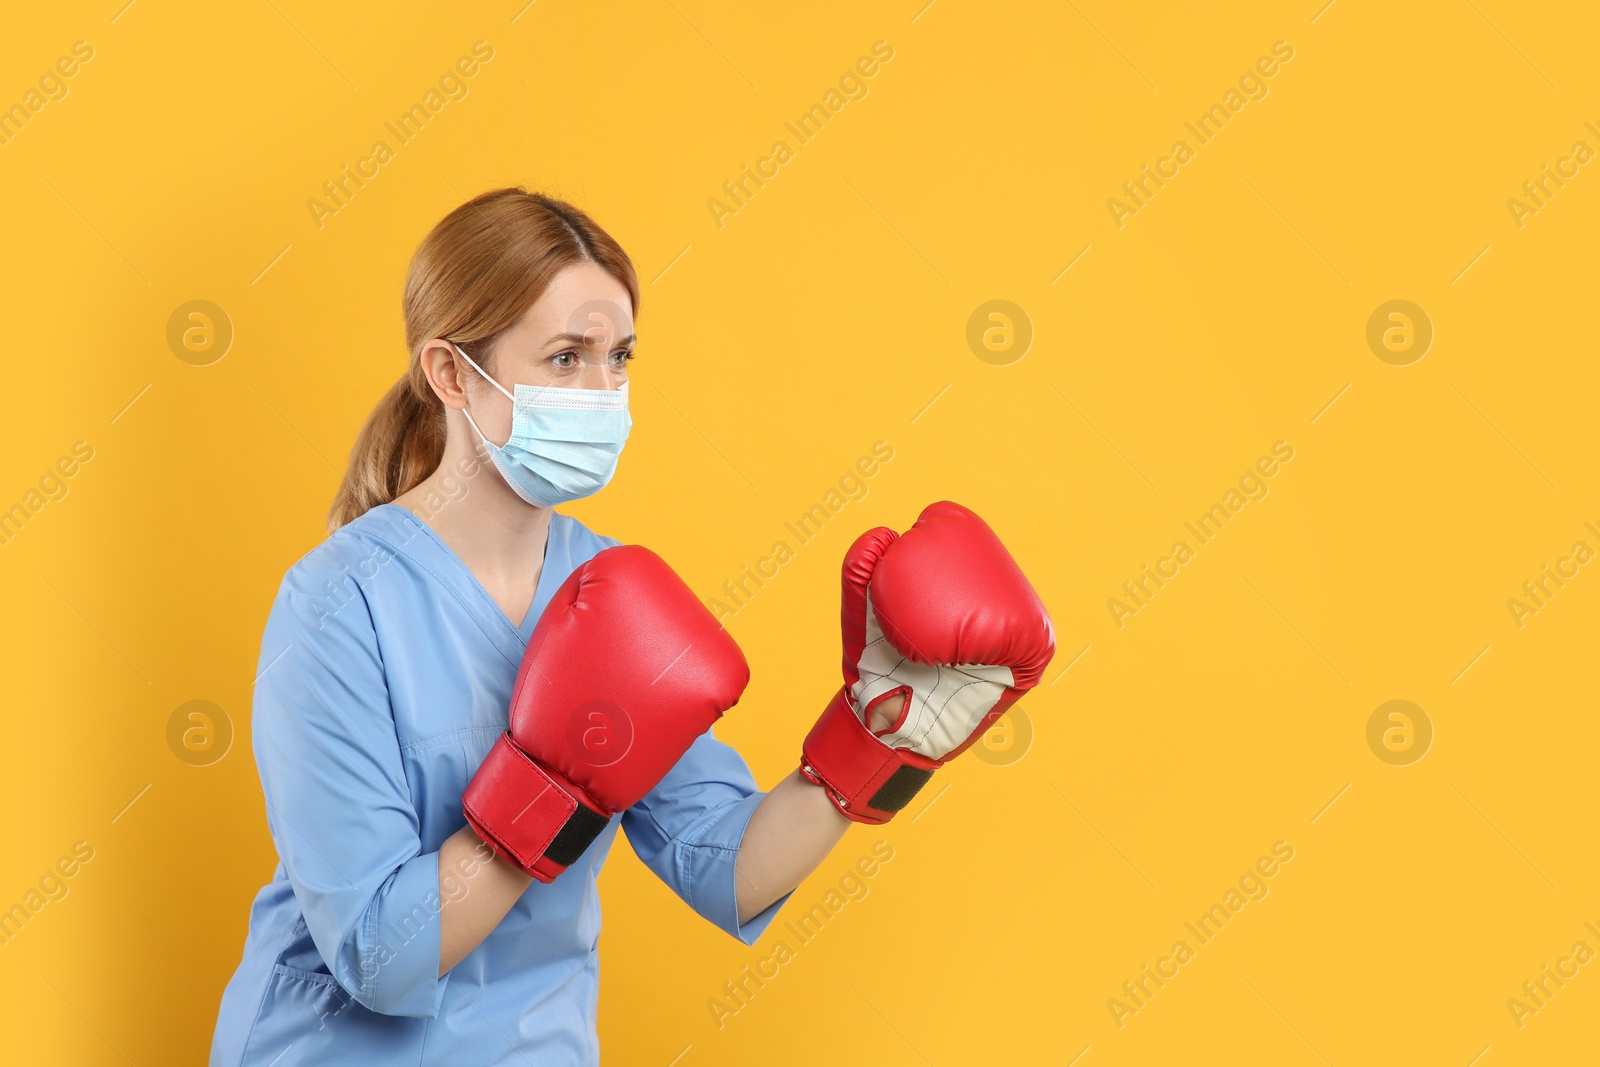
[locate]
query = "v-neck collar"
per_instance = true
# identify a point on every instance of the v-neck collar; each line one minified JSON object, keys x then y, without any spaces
{"x":440,"y":560}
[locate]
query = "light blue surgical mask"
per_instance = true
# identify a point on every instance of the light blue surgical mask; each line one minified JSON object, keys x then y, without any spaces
{"x":564,"y":443}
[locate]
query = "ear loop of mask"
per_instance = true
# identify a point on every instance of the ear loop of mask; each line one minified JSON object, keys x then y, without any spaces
{"x":492,"y":382}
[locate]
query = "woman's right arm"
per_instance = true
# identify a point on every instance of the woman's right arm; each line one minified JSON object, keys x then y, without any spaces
{"x":476,"y":889}
{"x":388,"y":915}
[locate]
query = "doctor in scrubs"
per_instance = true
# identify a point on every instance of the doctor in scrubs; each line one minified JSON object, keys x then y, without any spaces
{"x":389,"y":932}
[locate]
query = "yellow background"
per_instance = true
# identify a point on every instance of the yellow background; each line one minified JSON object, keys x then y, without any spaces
{"x":822,"y":317}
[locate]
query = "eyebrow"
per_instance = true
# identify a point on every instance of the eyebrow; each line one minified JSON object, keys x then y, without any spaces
{"x":580,"y":339}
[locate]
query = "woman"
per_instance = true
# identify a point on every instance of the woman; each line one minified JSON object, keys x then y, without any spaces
{"x":391,"y":932}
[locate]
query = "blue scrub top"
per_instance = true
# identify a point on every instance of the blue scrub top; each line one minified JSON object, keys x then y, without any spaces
{"x":385,"y":676}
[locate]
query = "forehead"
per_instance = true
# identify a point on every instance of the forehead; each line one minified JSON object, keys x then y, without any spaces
{"x":581,"y":299}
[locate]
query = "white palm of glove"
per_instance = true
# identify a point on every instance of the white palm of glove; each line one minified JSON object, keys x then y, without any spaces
{"x":946,"y":702}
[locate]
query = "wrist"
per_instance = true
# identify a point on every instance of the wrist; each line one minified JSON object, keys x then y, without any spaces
{"x":867,"y":780}
{"x":532,"y":816}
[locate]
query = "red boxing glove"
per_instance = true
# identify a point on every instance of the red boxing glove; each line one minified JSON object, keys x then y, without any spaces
{"x":625,"y":669}
{"x":942,"y":633}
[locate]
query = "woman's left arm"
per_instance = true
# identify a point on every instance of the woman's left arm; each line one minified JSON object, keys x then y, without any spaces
{"x":790,"y":833}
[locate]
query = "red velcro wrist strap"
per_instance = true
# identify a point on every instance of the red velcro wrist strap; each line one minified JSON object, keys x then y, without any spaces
{"x":868,"y":781}
{"x":528,"y":814}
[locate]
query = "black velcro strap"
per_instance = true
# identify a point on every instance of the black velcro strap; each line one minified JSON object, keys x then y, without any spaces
{"x":578,"y":834}
{"x":897,"y":792}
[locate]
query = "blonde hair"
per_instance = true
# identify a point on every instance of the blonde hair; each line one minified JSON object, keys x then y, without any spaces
{"x":475,"y":274}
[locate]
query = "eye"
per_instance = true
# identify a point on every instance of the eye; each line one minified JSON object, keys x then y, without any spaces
{"x":621,"y":358}
{"x":565,"y":360}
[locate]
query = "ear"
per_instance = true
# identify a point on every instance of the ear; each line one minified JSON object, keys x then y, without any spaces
{"x":447,"y":372}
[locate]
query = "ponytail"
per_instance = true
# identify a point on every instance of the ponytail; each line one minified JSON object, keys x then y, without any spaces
{"x":401,"y":444}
